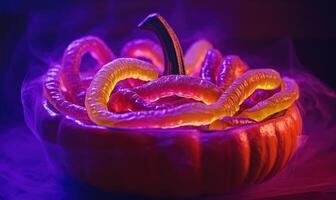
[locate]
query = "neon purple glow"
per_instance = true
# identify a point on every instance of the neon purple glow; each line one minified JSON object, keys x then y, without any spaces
{"x":27,"y":171}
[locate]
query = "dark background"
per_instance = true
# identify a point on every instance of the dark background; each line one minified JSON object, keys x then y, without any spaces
{"x":35,"y":32}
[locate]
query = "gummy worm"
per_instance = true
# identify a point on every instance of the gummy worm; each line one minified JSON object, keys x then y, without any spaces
{"x":173,"y":54}
{"x":52,"y":90}
{"x":179,"y":85}
{"x":144,"y":48}
{"x":280,"y":101}
{"x":228,"y":122}
{"x":256,"y":97}
{"x":186,"y":114}
{"x":244,"y":86}
{"x":210,"y":65}
{"x":182,"y":86}
{"x":108,"y":76}
{"x":195,"y":55}
{"x":128,"y":100}
{"x":71,"y":62}
{"x":231,"y":68}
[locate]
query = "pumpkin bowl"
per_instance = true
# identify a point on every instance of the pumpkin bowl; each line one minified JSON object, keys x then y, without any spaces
{"x":124,"y":139}
{"x":176,"y":162}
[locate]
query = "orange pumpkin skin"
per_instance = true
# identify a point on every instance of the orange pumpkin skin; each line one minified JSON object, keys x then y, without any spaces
{"x":169,"y":162}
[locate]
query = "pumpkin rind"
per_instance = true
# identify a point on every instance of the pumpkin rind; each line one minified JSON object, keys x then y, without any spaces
{"x":169,"y":162}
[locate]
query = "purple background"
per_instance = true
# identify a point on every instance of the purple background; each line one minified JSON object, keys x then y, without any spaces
{"x":36,"y":32}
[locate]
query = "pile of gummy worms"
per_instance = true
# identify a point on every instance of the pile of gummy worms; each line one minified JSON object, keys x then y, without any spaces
{"x":153,"y":87}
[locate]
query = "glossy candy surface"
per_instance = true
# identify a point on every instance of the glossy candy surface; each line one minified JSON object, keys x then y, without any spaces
{"x":244,"y":86}
{"x":194,"y":114}
{"x":52,"y":90}
{"x":165,"y":86}
{"x":231,"y":68}
{"x":182,"y":86}
{"x":201,"y":62}
{"x":195,"y":55}
{"x":228,"y":122}
{"x":210,"y":65}
{"x":72,"y":59}
{"x":175,"y":126}
{"x":104,"y":82}
{"x":144,"y":48}
{"x":127,"y":100}
{"x":282,"y":100}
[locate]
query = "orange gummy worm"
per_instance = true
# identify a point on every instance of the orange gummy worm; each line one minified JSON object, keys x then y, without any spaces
{"x":195,"y":55}
{"x":228,"y":122}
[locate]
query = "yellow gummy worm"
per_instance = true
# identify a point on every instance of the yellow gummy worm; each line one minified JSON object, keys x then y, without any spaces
{"x":105,"y":80}
{"x":188,"y":114}
{"x":280,"y":101}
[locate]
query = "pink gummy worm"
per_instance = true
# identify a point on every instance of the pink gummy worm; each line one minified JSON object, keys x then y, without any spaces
{"x":144,"y":48}
{"x":72,"y":57}
{"x":127,"y":100}
{"x":231,"y":68}
{"x":210,"y":65}
{"x":52,"y":90}
{"x":142,"y":97}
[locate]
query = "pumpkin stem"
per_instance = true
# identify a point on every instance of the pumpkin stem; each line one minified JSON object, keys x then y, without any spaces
{"x":173,"y":54}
